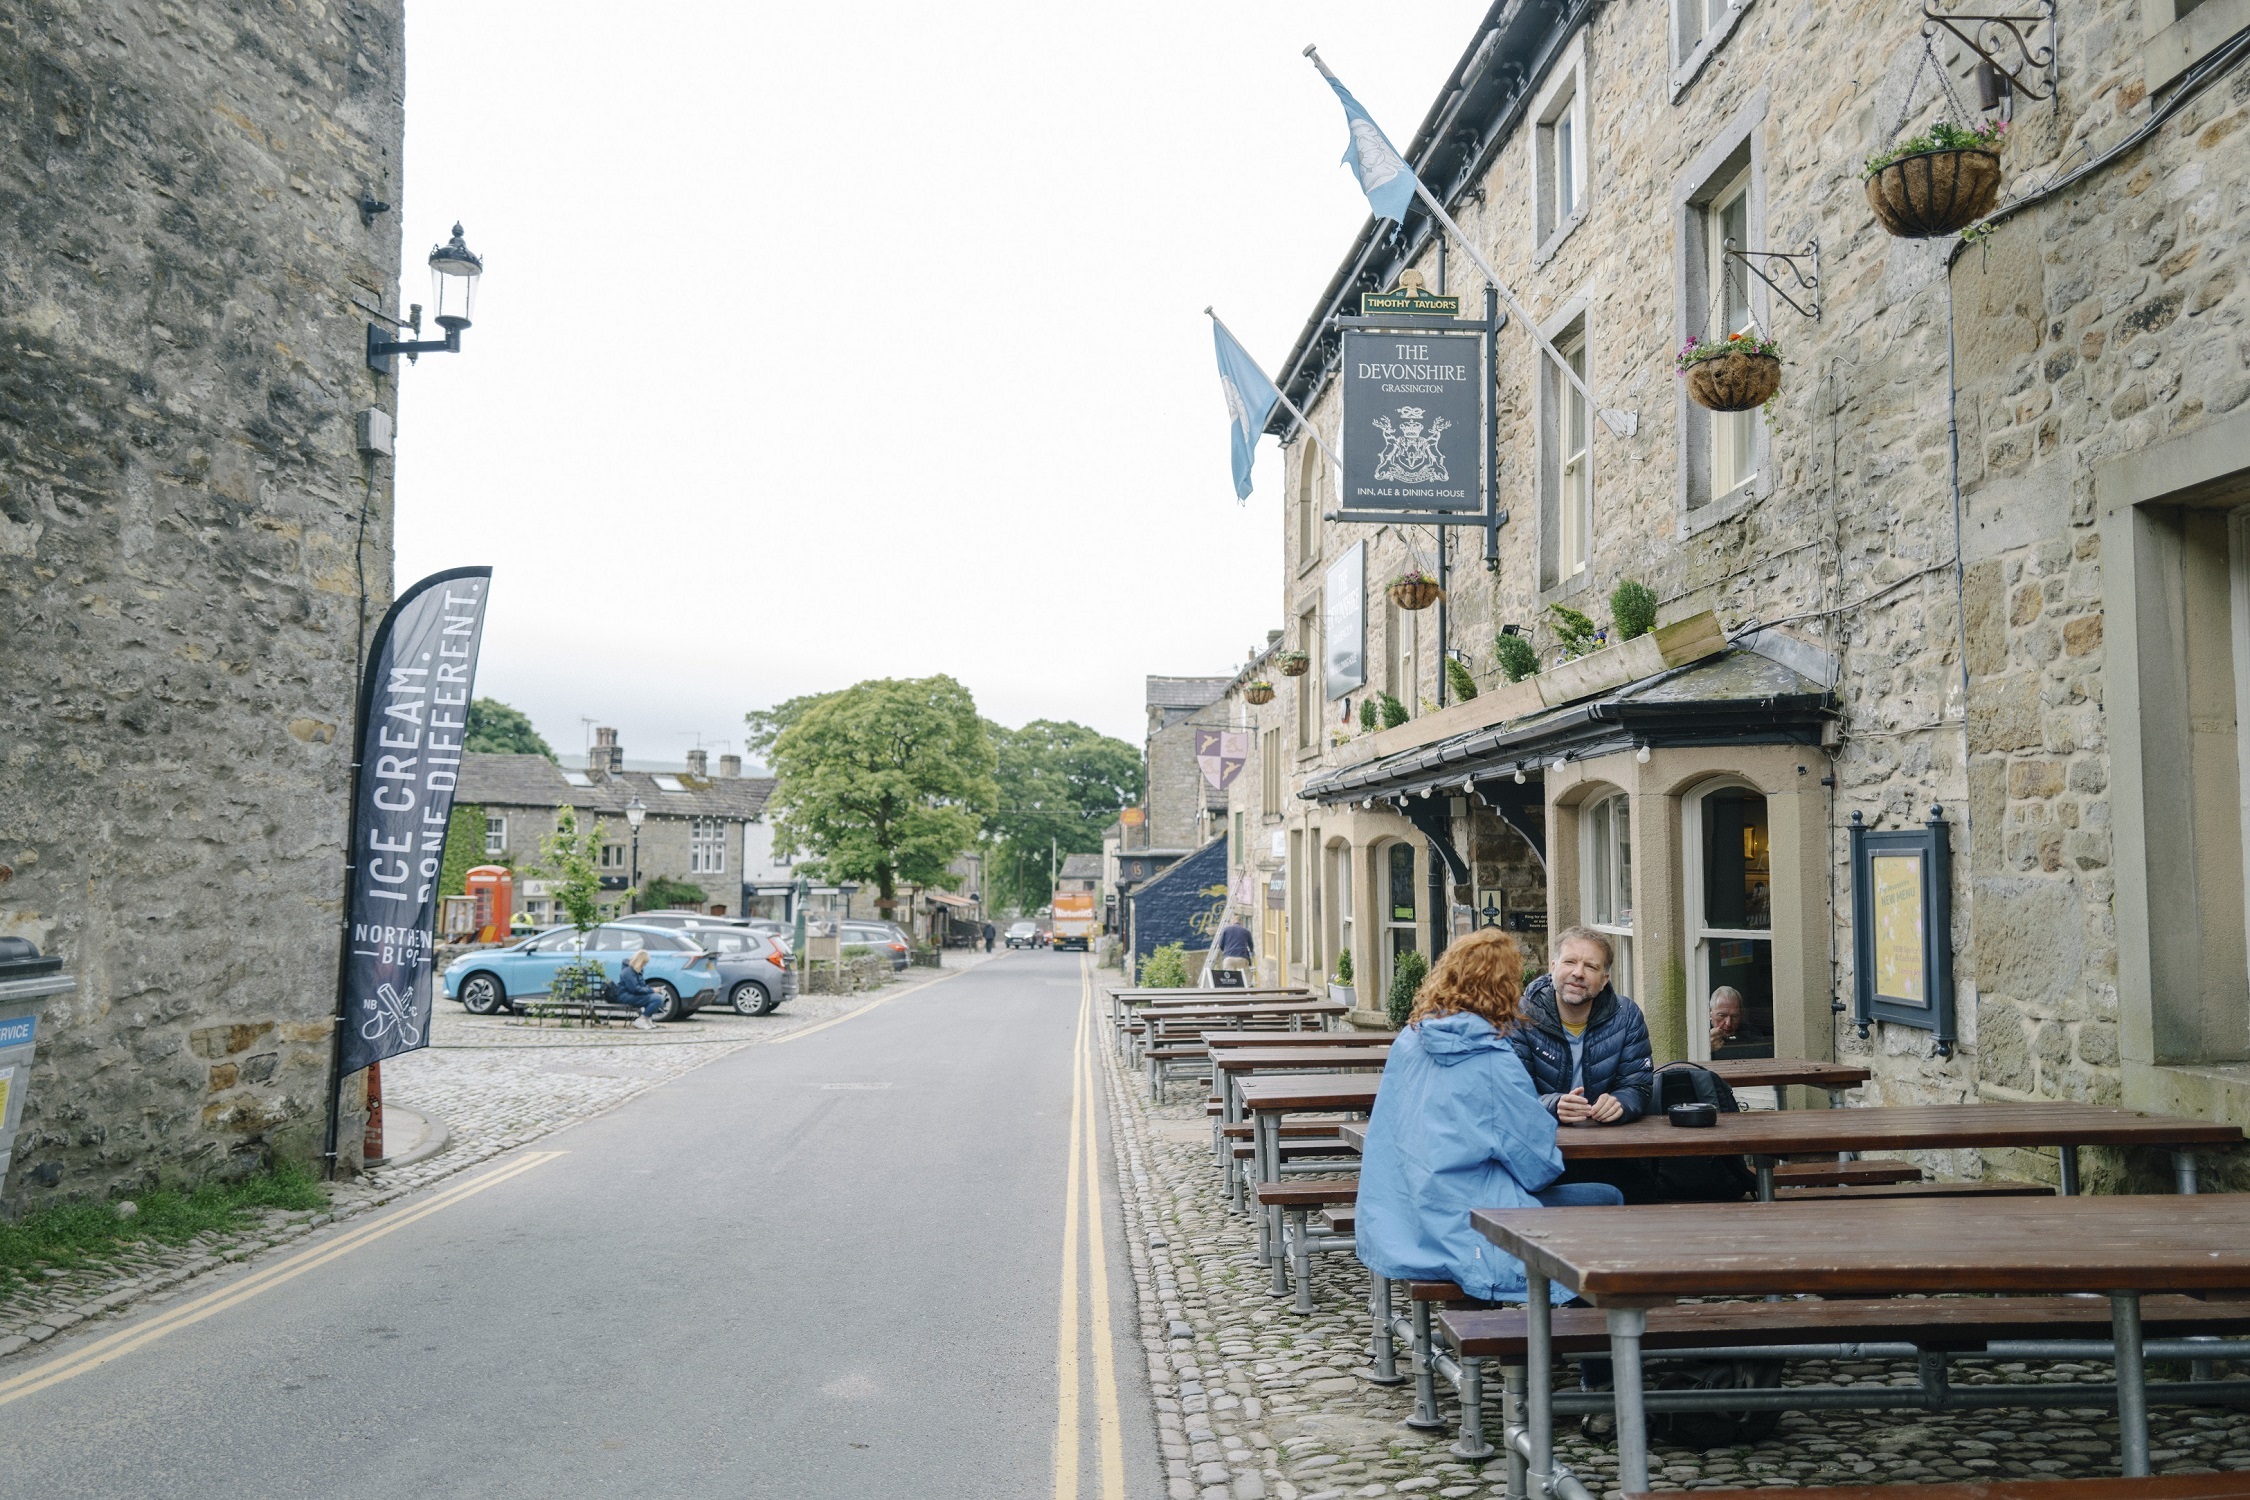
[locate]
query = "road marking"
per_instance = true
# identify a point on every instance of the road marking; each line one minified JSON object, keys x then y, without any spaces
{"x":863,"y":1010}
{"x":219,"y":1299}
{"x":1105,"y":1351}
{"x":1066,"y":1349}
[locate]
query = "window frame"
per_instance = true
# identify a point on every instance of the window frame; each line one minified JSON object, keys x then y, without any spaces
{"x":1698,"y":934}
{"x":1736,"y":154}
{"x":1571,"y":332}
{"x":1387,"y":912}
{"x":495,"y":834}
{"x":603,"y":861}
{"x":1560,"y":111}
{"x":1593,"y":831}
{"x":707,"y":846}
{"x":1312,"y":474}
{"x":1689,"y":57}
{"x":1734,"y":435}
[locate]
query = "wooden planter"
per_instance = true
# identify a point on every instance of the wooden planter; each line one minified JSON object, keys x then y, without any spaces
{"x":1734,"y":382}
{"x":1296,"y":666}
{"x":1415,"y":593}
{"x":1259,"y":692}
{"x":1935,"y":193}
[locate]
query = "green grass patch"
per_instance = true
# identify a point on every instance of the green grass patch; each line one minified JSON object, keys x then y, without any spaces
{"x":73,"y":1235}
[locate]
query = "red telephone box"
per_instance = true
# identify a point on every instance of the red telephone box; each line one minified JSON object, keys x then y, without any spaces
{"x":493,"y":889}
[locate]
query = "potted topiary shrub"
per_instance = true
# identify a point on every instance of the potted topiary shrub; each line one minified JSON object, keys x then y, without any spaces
{"x":1939,"y":182}
{"x":1407,"y":973}
{"x":1517,"y":658}
{"x":1258,"y":692}
{"x":1575,"y":632}
{"x":1740,"y":372}
{"x":1632,"y":608}
{"x":1459,"y":678}
{"x":1415,"y":590}
{"x":1293,"y":663}
{"x":1340,"y":982}
{"x":1394,"y":712}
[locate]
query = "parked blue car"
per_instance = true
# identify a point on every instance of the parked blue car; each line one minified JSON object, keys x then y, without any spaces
{"x":684,"y":976}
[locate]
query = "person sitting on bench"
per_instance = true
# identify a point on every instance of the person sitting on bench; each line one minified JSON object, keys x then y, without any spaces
{"x":1586,"y":1048}
{"x":1457,"y":1126}
{"x":635,"y":991}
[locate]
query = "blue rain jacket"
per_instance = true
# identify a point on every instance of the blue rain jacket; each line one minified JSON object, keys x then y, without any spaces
{"x":1457,"y":1125}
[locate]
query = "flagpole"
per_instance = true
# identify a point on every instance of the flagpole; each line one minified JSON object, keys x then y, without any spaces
{"x":1437,"y":210}
{"x":1283,"y":397}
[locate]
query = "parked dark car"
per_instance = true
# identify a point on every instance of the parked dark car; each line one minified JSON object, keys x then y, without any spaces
{"x":755,"y":974}
{"x":1023,"y":935}
{"x":885,"y":938}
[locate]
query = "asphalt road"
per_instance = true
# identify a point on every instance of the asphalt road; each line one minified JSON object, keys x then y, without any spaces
{"x":831,"y":1267}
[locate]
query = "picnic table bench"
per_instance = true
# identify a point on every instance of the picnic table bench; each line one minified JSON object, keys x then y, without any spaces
{"x":1627,"y":1260}
{"x":2232,"y":1486}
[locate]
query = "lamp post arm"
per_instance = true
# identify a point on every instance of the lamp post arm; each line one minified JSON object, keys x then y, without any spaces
{"x":382,"y":348}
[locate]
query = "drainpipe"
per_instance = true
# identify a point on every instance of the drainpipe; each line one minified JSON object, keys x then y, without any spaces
{"x":1960,"y":588}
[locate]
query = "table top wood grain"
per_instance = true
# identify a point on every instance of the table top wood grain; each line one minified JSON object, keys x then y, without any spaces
{"x":1914,"y":1127}
{"x":1257,"y":1059}
{"x":1659,"y":1252}
{"x":1218,"y":1040}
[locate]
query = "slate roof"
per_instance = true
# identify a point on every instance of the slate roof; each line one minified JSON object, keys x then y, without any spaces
{"x":1081,"y":867}
{"x":1737,"y":697}
{"x":535,"y":781}
{"x":1186,"y":692}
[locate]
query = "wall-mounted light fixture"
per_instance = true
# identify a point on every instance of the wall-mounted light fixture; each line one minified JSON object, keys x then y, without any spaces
{"x":454,"y":269}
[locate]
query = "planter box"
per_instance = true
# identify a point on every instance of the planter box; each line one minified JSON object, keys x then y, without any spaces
{"x":1613,"y":667}
{"x":1343,"y":994}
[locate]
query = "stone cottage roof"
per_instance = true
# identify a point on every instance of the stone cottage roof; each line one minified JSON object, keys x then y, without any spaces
{"x":1186,"y":692}
{"x":1081,"y":867}
{"x":535,"y":781}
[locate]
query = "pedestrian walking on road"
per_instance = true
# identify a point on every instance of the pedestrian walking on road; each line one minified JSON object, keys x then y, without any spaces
{"x":634,"y":990}
{"x":990,"y":932}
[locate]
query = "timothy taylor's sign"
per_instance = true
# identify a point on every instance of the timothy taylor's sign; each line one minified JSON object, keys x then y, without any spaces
{"x":413,"y":713}
{"x":1414,"y":420}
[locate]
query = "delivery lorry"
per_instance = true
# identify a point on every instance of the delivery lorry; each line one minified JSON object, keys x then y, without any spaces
{"x":1074,"y":919}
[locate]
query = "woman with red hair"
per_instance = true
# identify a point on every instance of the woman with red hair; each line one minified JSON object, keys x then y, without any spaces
{"x":1458,"y":1126}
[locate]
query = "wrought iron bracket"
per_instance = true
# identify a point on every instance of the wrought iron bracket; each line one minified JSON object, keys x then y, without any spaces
{"x":2004,"y":40}
{"x":1796,"y":262}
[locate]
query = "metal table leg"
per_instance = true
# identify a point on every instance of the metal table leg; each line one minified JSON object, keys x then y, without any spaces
{"x":1383,"y":1348}
{"x":1626,"y":1325}
{"x":2069,"y":1187}
{"x":2183,"y":1171}
{"x":1264,"y":1167}
{"x":1511,"y":1417}
{"x":1471,"y":1443}
{"x":1764,"y":1166}
{"x":1300,"y":1260}
{"x":1424,"y":1417}
{"x":1539,"y":1369}
{"x":2132,"y":1383}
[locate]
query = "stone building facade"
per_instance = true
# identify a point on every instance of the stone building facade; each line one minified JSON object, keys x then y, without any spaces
{"x":2045,"y":636}
{"x":192,"y":548}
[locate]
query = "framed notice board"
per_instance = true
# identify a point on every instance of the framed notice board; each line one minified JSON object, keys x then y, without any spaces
{"x":1902,"y":928}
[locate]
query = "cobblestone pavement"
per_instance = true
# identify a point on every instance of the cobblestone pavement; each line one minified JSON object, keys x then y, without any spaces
{"x":495,"y":1082}
{"x":1253,"y":1400}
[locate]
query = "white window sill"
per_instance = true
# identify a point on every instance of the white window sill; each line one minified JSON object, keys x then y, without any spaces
{"x":1685,"y":70}
{"x":1725,"y":508}
{"x":1546,"y":252}
{"x":2184,"y":43}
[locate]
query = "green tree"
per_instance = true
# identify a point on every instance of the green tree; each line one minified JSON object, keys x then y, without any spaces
{"x":570,"y":853}
{"x":1060,"y":784}
{"x":662,"y":893}
{"x":497,"y":729}
{"x":464,"y":848}
{"x":766,"y":724}
{"x":886,"y":782}
{"x":1166,"y":969}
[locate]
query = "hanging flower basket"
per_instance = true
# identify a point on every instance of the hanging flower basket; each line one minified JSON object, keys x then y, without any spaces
{"x":1939,"y":182}
{"x":1259,"y":692}
{"x":1739,"y":373}
{"x":1294,"y":663}
{"x":1416,"y":590}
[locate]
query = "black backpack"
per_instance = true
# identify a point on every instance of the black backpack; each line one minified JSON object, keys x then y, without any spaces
{"x":1698,"y":1179}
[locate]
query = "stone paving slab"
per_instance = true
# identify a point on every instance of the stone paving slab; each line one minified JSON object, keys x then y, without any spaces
{"x":1253,"y":1400}
{"x":495,"y":1083}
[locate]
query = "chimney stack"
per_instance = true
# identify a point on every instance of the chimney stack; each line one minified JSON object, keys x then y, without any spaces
{"x":699,"y":763}
{"x":730,"y":765}
{"x":607,"y":754}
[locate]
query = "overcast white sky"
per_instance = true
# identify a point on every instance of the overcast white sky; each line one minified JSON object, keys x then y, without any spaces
{"x":826,"y":342}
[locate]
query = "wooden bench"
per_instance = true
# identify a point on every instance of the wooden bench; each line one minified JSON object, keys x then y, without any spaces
{"x":1301,"y":1240}
{"x":585,"y":1012}
{"x":2235,"y":1486}
{"x":1830,"y":1172}
{"x":1988,"y":1187}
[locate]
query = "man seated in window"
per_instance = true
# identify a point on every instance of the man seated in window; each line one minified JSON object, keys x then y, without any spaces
{"x":1586,"y":1048}
{"x":1735,"y":1033}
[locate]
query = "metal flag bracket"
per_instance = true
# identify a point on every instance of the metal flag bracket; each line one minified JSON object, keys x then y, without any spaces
{"x":1996,"y":37}
{"x":1802,"y":266}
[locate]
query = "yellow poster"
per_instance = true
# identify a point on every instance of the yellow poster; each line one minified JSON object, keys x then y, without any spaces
{"x":1898,"y":928}
{"x":7,"y":1077}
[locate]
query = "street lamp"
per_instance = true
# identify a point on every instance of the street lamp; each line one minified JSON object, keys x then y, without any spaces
{"x":454,"y":269}
{"x":635,"y":811}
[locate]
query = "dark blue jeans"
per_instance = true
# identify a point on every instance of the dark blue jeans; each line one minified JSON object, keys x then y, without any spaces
{"x":1593,"y":1374}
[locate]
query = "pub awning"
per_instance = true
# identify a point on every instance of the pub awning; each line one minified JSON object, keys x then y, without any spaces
{"x":1738,"y":697}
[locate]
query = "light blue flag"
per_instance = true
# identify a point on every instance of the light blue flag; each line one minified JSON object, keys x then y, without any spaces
{"x":1383,"y":174}
{"x":1250,"y":400}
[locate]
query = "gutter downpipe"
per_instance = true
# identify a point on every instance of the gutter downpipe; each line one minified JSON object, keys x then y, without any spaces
{"x":1960,"y":587}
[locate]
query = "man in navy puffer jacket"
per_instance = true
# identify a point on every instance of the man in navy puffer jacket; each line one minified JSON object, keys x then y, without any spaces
{"x":1584,"y":1045}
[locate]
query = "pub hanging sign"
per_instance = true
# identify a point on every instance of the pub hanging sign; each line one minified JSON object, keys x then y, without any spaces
{"x":1415,"y":404}
{"x":1902,"y":928}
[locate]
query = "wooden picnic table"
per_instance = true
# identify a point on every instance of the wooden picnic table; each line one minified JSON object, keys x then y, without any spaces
{"x":1626,"y":1260}
{"x":1217,"y":1040}
{"x":1123,"y":1001}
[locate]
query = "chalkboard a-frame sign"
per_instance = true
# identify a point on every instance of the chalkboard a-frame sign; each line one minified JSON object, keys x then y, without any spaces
{"x":1902,"y":928}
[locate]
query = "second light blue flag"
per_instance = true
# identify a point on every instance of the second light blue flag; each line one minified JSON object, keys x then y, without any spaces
{"x":1250,"y":400}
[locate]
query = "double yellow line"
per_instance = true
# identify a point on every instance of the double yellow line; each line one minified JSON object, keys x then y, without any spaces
{"x":123,"y":1342}
{"x":1083,"y":1189}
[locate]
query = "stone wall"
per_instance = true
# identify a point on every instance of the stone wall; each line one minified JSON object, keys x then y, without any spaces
{"x":190,"y":548}
{"x":2094,"y":322}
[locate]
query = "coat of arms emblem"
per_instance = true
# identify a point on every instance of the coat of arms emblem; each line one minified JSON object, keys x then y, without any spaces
{"x":1410,"y":450}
